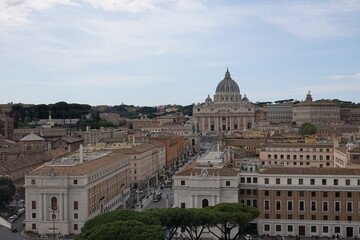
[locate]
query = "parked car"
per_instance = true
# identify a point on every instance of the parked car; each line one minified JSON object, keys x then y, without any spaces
{"x":13,"y":229}
{"x":11,"y":219}
{"x":21,"y":211}
{"x":157,"y":197}
{"x":24,"y":222}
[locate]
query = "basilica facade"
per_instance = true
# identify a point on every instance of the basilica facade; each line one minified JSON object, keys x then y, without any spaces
{"x":227,"y":111}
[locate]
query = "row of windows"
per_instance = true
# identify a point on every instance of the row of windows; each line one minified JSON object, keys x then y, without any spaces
{"x":54,"y":204}
{"x":313,"y":217}
{"x":227,"y":183}
{"x":275,"y":149}
{"x":249,"y":180}
{"x":313,"y":229}
{"x":312,"y":206}
{"x":313,"y":181}
{"x":301,"y":157}
{"x":312,"y":194}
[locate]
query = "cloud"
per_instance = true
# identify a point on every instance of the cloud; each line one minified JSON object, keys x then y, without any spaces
{"x":355,"y":76}
{"x":17,"y":12}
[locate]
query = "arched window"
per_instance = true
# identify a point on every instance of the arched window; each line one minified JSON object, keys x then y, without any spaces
{"x":205,"y":203}
{"x":53,"y":203}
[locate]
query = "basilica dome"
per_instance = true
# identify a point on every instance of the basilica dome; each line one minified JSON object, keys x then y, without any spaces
{"x":227,"y":85}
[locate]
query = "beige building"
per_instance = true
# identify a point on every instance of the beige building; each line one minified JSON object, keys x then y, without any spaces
{"x":316,"y":112}
{"x":227,"y":111}
{"x":301,"y":155}
{"x":347,"y":157}
{"x":68,"y":191}
{"x":279,"y":113}
{"x":308,"y":201}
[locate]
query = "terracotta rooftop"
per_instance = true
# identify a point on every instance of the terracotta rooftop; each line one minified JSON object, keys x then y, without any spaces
{"x":342,"y":149}
{"x":297,"y":145}
{"x":32,"y":137}
{"x":311,"y":171}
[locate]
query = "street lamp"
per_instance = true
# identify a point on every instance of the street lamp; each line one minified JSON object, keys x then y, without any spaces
{"x":53,"y":218}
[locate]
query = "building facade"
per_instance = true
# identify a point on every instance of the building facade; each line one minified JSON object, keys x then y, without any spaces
{"x":68,"y":191}
{"x":227,"y":111}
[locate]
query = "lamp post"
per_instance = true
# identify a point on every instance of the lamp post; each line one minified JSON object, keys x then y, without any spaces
{"x":53,"y":218}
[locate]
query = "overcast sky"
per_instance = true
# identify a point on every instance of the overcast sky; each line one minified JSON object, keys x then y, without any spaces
{"x":153,"y":52}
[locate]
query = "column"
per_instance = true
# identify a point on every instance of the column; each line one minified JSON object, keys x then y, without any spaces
{"x":231,"y":123}
{"x":41,"y":204}
{"x":209,"y":124}
{"x":61,"y":210}
{"x":226,"y":123}
{"x":46,"y":217}
{"x":216,"y":124}
{"x":244,"y":122}
{"x":66,"y":207}
{"x":202,"y":128}
{"x":252,"y":122}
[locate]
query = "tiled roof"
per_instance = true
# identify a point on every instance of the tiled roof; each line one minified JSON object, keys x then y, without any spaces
{"x":297,"y":145}
{"x":310,"y":171}
{"x":32,"y":137}
{"x":342,"y":149}
{"x":356,"y":149}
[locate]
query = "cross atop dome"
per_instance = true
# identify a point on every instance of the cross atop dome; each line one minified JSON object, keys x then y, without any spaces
{"x":227,"y":74}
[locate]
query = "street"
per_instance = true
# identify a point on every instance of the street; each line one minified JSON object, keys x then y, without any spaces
{"x":163,"y":202}
{"x":6,"y":234}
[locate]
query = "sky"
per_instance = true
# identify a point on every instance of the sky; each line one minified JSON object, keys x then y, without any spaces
{"x":155,"y":52}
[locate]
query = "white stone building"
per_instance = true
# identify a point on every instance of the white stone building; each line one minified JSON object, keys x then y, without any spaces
{"x":228,"y":111}
{"x":68,"y":191}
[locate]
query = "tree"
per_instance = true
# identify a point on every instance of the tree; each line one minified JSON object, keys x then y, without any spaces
{"x":171,"y":219}
{"x":232,"y":216}
{"x":307,"y":129}
{"x":7,"y":190}
{"x":198,"y":219}
{"x":114,"y":216}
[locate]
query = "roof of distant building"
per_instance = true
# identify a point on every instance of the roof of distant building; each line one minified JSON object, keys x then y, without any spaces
{"x":32,"y":137}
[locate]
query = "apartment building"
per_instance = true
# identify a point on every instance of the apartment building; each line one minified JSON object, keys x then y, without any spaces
{"x":307,"y":201}
{"x":319,"y":155}
{"x":70,"y":190}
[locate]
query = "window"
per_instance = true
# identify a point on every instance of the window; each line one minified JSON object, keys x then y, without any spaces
{"x":255,"y":180}
{"x":75,"y":181}
{"x":313,"y":194}
{"x":325,"y":217}
{"x":248,"y":180}
{"x":242,"y":192}
{"x":33,"y":226}
{"x":76,"y":205}
{"x":266,"y":181}
{"x":227,"y":183}
{"x":266,"y":193}
{"x":76,"y":227}
{"x":325,"y":194}
{"x":301,"y":193}
{"x":182,"y":183}
{"x":301,"y":206}
{"x":313,"y":229}
{"x":33,"y":215}
{"x":33,"y":204}
{"x":337,"y":194}
{"x":278,"y":193}
{"x":323,"y":181}
{"x":349,"y":206}
{"x":278,"y":181}
{"x":325,"y":207}
{"x":313,"y":206}
{"x":290,"y":205}
{"x":289,"y":181}
{"x":336,"y":182}
{"x":267,"y":216}
{"x":290,"y":228}
{"x":242,"y":180}
{"x":278,"y":216}
{"x":325,"y":229}
{"x":278,"y":228}
{"x":337,"y":229}
{"x":248,"y":192}
{"x":312,"y":181}
{"x":54,"y":203}
{"x":301,"y":181}
{"x":337,"y":206}
{"x":76,"y":215}
{"x":267,"y":205}
{"x":349,"y":194}
{"x":347,"y":181}
{"x":182,"y":205}
{"x":313,"y":217}
{"x":302,"y":217}
{"x":278,"y":205}
{"x":289,"y":193}
{"x":33,"y":181}
{"x":349,"y":218}
{"x":266,"y":227}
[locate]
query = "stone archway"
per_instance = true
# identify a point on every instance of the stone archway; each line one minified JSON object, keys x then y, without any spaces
{"x":205,"y":203}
